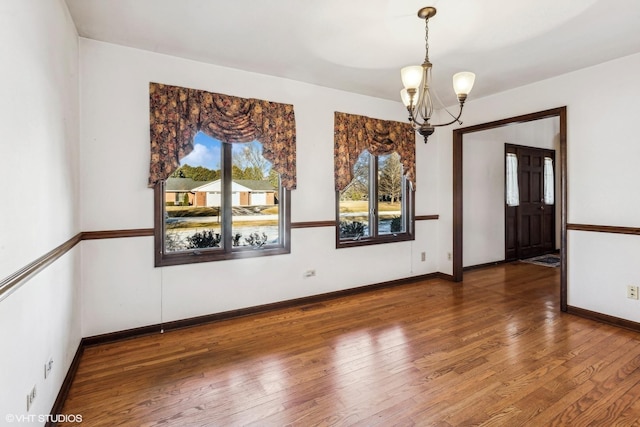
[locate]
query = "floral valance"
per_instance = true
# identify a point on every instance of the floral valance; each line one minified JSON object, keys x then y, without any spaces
{"x":178,"y":113}
{"x":354,"y":134}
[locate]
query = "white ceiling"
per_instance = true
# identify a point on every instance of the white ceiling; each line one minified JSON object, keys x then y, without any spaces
{"x":360,"y":45}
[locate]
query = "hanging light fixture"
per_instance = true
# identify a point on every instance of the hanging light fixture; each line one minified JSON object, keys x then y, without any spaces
{"x":416,"y":80}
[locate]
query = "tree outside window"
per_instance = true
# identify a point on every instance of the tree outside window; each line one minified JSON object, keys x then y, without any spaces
{"x":376,"y":206}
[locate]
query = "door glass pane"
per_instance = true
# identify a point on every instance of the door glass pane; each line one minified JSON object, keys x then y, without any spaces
{"x":254,"y":197}
{"x":193,"y":199}
{"x":390,"y":185}
{"x":354,"y":201}
{"x":512,"y":189}
{"x":549,"y":186}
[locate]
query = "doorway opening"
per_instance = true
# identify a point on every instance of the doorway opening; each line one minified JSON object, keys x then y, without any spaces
{"x":561,"y":201}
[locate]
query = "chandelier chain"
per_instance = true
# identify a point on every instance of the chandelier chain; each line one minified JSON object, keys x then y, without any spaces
{"x":426,"y":40}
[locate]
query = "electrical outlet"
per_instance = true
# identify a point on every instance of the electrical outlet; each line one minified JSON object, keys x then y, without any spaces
{"x":310,"y":273}
{"x":47,"y":367}
{"x":449,"y":256}
{"x":31,"y":396}
{"x":632,"y":292}
{"x":423,"y":256}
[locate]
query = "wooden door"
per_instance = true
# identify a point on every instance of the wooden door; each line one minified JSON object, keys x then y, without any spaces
{"x":530,"y":227}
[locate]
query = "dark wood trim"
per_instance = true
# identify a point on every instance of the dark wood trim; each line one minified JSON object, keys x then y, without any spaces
{"x":444,"y":276}
{"x":15,"y":280}
{"x":116,"y":234}
{"x":66,"y":384}
{"x":158,"y":222}
{"x":524,"y":118}
{"x":427,"y":217}
{"x":457,"y":206}
{"x":485,"y":265}
{"x":561,"y":113}
{"x":11,"y":283}
{"x":604,"y":229}
{"x":122,"y":335}
{"x":293,"y":303}
{"x":312,"y":224}
{"x":287,"y":304}
{"x":604,"y":318}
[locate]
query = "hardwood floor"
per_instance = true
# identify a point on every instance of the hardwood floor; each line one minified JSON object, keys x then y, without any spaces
{"x":494,"y":350}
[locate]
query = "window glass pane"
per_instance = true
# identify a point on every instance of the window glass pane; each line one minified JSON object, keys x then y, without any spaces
{"x":513,"y":192}
{"x":354,"y":201}
{"x":549,"y":196}
{"x":390,"y":185}
{"x":254,"y":197}
{"x":192,"y":199}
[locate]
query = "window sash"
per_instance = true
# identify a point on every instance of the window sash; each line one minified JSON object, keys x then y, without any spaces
{"x":226,"y":250}
{"x":374,"y":236}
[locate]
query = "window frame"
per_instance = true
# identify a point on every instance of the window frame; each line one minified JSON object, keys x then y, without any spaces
{"x":227,"y":251}
{"x":375,"y":238}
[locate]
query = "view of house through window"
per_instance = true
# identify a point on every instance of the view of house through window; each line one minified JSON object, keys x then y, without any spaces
{"x":375,"y":205}
{"x":223,"y":198}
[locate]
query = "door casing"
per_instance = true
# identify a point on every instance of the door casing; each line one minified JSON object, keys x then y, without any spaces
{"x":458,"y":136}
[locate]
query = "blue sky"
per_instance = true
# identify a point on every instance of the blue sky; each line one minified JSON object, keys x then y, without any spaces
{"x":206,"y":152}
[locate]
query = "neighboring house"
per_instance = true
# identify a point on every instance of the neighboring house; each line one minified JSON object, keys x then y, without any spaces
{"x":177,"y":188}
{"x":246,"y":192}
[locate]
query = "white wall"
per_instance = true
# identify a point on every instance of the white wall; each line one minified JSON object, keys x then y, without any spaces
{"x":122,"y":289}
{"x":602,"y":175}
{"x":39,"y":158}
{"x":483,"y":184}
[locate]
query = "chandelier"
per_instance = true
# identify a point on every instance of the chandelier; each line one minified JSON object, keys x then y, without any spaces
{"x":416,"y":80}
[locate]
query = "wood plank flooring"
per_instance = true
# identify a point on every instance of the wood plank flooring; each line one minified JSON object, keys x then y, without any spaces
{"x":494,"y":350}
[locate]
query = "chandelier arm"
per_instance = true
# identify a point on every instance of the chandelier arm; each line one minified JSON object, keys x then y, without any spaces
{"x":455,"y":119}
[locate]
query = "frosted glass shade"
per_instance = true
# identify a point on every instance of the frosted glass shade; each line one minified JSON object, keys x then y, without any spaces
{"x":463,"y":82}
{"x":411,"y":76}
{"x":406,"y":98}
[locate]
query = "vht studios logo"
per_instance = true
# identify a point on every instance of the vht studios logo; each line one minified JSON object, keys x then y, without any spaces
{"x":44,"y":418}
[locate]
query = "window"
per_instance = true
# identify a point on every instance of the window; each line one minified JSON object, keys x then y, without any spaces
{"x":222,"y":169}
{"x":377,"y":205}
{"x":225,"y":201}
{"x":513,"y":192}
{"x":512,"y":186}
{"x":374,"y":171}
{"x":549,"y":196}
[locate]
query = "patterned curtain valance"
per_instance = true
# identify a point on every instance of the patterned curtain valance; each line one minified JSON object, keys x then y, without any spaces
{"x":178,"y":113}
{"x":353,"y":134}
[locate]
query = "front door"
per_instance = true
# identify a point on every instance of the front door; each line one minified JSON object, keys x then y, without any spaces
{"x":530,"y":226}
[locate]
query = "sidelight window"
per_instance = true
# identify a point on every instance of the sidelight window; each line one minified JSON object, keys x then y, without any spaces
{"x":513,"y":190}
{"x":549,"y":185}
